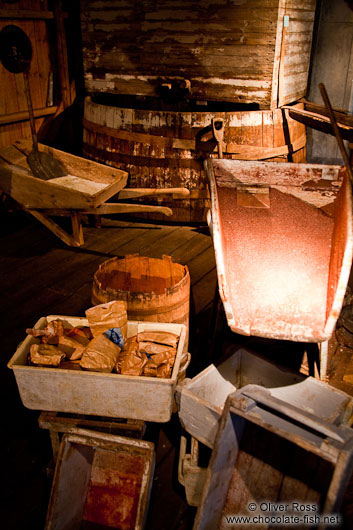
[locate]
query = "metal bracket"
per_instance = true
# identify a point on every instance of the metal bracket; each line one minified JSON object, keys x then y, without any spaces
{"x":253,"y":196}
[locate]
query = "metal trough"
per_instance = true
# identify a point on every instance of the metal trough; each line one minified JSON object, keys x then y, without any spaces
{"x":101,"y":481}
{"x":283,"y":242}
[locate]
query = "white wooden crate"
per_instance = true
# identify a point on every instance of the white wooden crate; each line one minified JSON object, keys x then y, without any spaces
{"x":94,"y":393}
{"x":201,"y":399}
{"x":268,"y":451}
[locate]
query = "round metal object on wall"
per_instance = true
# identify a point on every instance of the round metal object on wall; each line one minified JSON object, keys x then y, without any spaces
{"x":15,"y":49}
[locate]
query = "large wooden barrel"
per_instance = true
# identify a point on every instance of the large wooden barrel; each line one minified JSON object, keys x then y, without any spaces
{"x":159,"y":149}
{"x":156,"y":290}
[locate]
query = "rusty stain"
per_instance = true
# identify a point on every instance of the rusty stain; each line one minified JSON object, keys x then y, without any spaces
{"x":276,"y":261}
{"x":321,"y":184}
{"x":114,"y":489}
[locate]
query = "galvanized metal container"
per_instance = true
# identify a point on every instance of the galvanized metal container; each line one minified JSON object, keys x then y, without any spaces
{"x":93,"y":393}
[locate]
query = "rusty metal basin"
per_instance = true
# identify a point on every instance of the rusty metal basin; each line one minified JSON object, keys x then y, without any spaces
{"x":101,"y":481}
{"x":283,"y":242}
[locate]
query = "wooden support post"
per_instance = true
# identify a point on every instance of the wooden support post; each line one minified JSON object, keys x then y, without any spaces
{"x":56,"y":229}
{"x":77,"y":232}
{"x":323,"y":347}
{"x":55,"y":443}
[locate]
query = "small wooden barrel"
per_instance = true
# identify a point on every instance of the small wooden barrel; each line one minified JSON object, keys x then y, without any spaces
{"x":156,"y":290}
{"x":159,"y":149}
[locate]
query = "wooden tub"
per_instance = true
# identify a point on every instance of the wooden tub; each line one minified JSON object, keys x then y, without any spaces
{"x":160,"y":146}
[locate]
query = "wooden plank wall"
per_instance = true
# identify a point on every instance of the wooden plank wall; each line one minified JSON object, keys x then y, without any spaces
{"x":296,"y":50}
{"x":46,"y":32}
{"x":13,"y":97}
{"x":228,"y":49}
{"x":225,"y":48}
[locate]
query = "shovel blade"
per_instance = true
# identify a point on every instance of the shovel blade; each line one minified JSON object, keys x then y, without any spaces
{"x":45,"y":166}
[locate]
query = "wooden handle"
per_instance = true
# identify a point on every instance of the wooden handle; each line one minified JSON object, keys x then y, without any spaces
{"x":218,"y":133}
{"x":336,"y":130}
{"x":129,"y":193}
{"x":30,"y":111}
{"x":120,"y":207}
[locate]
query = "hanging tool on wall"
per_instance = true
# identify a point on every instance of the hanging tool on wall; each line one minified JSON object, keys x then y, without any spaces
{"x":16,"y":55}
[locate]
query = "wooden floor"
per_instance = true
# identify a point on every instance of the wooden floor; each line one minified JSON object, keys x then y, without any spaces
{"x":41,"y":276}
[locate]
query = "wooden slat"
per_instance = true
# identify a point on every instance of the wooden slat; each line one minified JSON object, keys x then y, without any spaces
{"x":322,"y":123}
{"x":26,"y":14}
{"x":13,"y":103}
{"x":62,"y":54}
{"x":223,"y":50}
{"x":24,"y":116}
{"x":296,"y":45}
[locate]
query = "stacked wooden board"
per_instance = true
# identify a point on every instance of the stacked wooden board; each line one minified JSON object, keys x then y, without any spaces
{"x":244,"y":52}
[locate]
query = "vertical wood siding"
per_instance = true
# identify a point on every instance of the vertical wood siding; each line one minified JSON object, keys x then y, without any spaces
{"x":12,"y":92}
{"x":297,"y":50}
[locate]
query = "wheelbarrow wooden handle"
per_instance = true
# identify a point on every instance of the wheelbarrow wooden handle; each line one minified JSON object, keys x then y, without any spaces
{"x":130,"y":193}
{"x":120,"y":207}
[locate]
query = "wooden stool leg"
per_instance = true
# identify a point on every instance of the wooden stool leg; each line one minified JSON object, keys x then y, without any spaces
{"x":98,"y":221}
{"x":77,"y":232}
{"x":323,"y":348}
{"x":55,"y":443}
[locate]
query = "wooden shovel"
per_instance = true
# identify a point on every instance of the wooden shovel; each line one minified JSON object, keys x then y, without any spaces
{"x":16,"y":55}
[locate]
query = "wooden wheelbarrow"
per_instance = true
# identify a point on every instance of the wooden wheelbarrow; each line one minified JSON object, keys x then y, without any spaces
{"x":83,"y":190}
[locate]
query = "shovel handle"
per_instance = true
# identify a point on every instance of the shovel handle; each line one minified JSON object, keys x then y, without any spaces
{"x":30,"y":111}
{"x":218,"y":133}
{"x":336,"y":130}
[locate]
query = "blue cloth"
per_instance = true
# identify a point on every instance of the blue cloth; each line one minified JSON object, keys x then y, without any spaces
{"x":115,"y":335}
